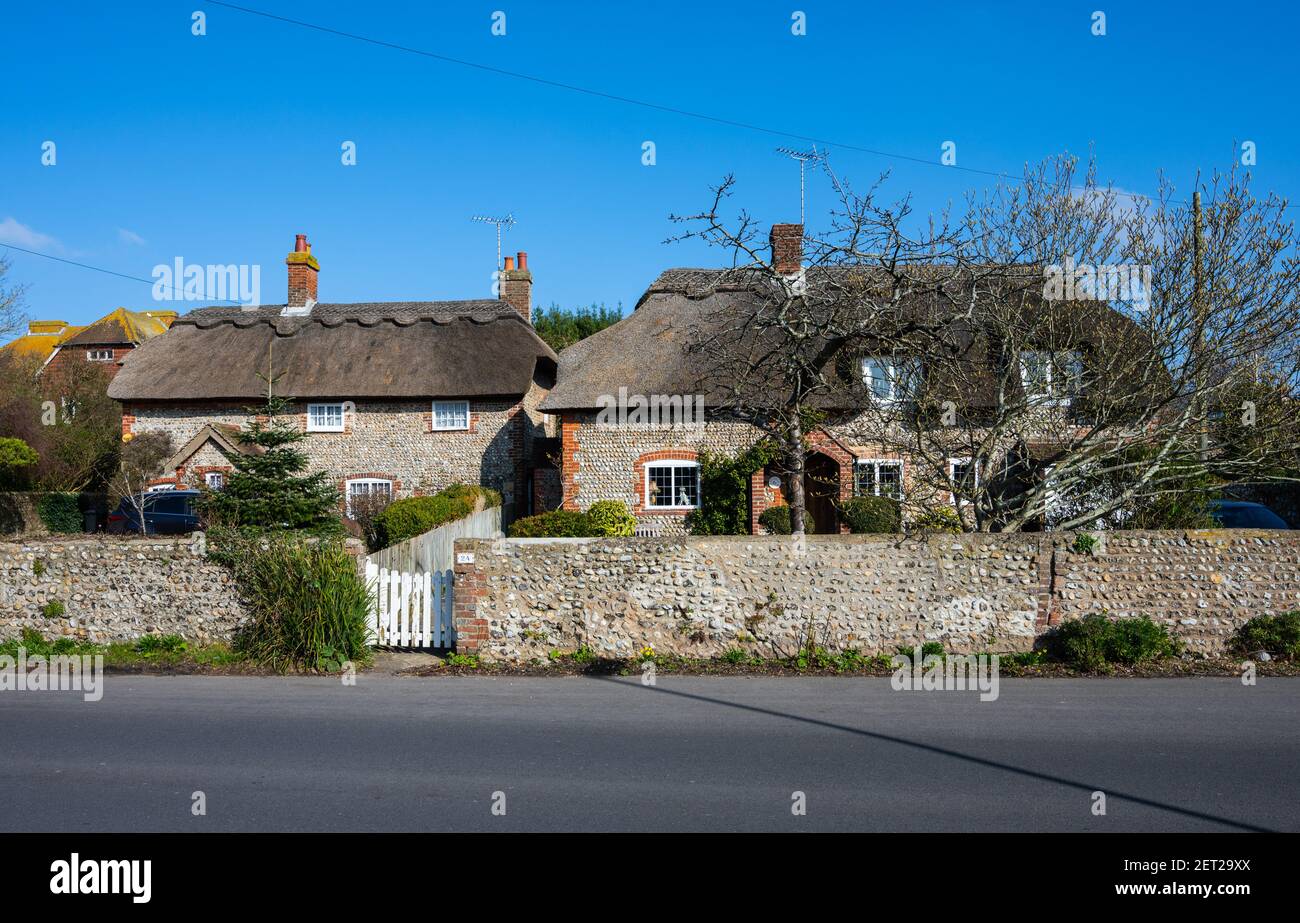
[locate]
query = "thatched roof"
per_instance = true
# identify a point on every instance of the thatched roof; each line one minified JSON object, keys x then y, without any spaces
{"x":647,"y":353}
{"x":392,"y":350}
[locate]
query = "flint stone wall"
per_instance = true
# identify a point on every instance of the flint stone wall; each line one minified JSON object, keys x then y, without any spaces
{"x":116,"y":589}
{"x":519,"y":599}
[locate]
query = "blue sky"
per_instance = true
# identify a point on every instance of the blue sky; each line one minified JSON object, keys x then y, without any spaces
{"x":219,"y":148}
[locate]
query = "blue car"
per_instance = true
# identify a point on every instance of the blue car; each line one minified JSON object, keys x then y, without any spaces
{"x":1238,"y":514}
{"x":166,"y":512}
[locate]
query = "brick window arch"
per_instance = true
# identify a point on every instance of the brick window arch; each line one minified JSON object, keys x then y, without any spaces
{"x":641,"y":481}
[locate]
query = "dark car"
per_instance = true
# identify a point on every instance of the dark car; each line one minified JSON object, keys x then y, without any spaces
{"x":1238,"y":514}
{"x":166,"y":512}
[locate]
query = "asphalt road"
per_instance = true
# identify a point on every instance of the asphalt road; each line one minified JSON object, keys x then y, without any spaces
{"x":690,"y":753}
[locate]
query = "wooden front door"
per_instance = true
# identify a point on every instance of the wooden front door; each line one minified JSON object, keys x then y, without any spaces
{"x":821,"y":485}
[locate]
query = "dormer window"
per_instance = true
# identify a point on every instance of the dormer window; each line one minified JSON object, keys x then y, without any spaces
{"x":892,"y":379}
{"x":1050,"y":378}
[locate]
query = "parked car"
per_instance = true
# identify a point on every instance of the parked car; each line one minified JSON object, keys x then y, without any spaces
{"x":1238,"y":514}
{"x":166,"y":512}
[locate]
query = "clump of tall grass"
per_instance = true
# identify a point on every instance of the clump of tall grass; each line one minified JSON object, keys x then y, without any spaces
{"x":309,"y":604}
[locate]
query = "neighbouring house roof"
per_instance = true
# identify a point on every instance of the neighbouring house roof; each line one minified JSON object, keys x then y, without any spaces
{"x":42,"y":338}
{"x":646,"y":352}
{"x":401,"y":349}
{"x":227,"y":437}
{"x":122,"y":326}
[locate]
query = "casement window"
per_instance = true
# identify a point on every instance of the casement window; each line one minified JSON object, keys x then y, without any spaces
{"x":215,"y":480}
{"x":892,"y":379}
{"x":363,"y":489}
{"x":450,"y":415}
{"x":99,"y":355}
{"x":964,"y":475}
{"x":1050,"y":377}
{"x":672,"y":485}
{"x":325,"y":418}
{"x":878,"y":478}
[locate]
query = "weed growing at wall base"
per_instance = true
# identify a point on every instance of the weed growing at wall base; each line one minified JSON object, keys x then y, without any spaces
{"x":921,"y":672}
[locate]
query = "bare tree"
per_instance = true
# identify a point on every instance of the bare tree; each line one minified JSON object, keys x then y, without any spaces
{"x":142,"y":461}
{"x":1058,"y":352}
{"x":12,"y":317}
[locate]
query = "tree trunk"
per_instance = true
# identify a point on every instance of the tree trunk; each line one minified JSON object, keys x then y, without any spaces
{"x":797,"y":500}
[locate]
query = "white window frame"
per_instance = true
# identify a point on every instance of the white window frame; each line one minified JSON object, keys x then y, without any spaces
{"x":674,"y":464}
{"x":97,"y":355}
{"x":953,"y":462}
{"x":160,"y":488}
{"x":313,"y":427}
{"x":1050,"y":397}
{"x":351,"y":482}
{"x":433,"y":417}
{"x":875,"y":464}
{"x":208,"y":477}
{"x":893,"y":367}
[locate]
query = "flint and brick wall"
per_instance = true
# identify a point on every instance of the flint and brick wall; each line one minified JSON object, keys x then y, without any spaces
{"x":699,"y":596}
{"x":116,"y":589}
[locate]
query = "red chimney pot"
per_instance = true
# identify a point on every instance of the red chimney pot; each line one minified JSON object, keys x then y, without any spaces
{"x":301,"y":245}
{"x":523,"y":260}
{"x":510,"y":263}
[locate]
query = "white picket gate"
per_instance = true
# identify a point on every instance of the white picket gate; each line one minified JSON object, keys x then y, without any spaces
{"x":411,"y":609}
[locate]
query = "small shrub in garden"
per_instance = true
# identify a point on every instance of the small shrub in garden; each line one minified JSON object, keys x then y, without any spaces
{"x":1277,"y":634}
{"x":867,"y":515}
{"x":611,"y":518}
{"x":776,"y":519}
{"x":1094,"y":642}
{"x":939,"y":519}
{"x":555,"y":524}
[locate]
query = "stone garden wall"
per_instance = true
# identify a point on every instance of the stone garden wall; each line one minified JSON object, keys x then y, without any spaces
{"x":112,"y":588}
{"x":518,"y":599}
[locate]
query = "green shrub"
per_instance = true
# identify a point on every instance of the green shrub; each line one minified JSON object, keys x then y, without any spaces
{"x":53,"y":609}
{"x":865,"y":515}
{"x":1277,"y":634}
{"x":414,"y":516}
{"x":1094,"y":642}
{"x":1084,"y":543}
{"x":938,"y":519}
{"x":309,"y":606}
{"x":611,"y":517}
{"x":17,"y":459}
{"x":60,"y":512}
{"x":555,"y":524}
{"x":724,"y":489}
{"x":776,"y":519}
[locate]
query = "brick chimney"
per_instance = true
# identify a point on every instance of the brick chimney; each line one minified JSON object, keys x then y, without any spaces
{"x":787,"y":248}
{"x":517,"y":285}
{"x":303,"y":270}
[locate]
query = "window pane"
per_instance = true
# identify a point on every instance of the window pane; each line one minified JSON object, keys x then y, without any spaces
{"x":687,"y":491}
{"x":865,"y":480}
{"x":876,"y":375}
{"x":660,"y":487}
{"x":890,"y":476}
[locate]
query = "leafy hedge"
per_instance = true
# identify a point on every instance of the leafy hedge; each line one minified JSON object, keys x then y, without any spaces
{"x":938,"y":519}
{"x":60,"y":512}
{"x":865,"y":515}
{"x":414,"y":516}
{"x":1094,"y":642}
{"x":555,"y":524}
{"x":1277,"y":634}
